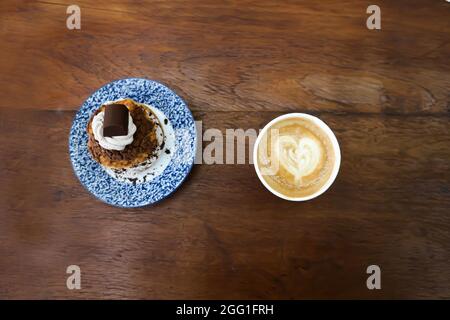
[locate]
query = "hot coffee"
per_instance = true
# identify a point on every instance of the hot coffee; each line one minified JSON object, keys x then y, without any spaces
{"x":296,"y":156}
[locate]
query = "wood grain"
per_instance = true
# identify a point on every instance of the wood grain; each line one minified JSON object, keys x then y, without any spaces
{"x":238,"y":64}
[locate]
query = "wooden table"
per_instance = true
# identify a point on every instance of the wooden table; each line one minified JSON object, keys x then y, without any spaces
{"x":238,"y":64}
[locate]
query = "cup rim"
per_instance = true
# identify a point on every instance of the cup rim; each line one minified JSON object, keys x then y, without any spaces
{"x":327,"y":131}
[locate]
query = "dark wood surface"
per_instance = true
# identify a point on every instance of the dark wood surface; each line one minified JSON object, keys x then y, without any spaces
{"x":238,"y":64}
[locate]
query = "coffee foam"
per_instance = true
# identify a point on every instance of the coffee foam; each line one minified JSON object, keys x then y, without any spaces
{"x":296,"y":157}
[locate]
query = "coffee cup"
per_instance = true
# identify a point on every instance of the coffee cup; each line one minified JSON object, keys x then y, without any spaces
{"x":297,"y":156}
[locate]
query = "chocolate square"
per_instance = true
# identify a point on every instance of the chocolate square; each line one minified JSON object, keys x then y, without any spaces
{"x":115,"y":122}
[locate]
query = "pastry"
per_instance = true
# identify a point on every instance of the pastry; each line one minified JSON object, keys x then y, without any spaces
{"x":124,"y":143}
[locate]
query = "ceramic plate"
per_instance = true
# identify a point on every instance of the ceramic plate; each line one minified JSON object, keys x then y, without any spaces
{"x":121,"y":193}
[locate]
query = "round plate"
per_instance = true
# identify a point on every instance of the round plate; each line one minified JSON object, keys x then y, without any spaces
{"x":123,"y":194}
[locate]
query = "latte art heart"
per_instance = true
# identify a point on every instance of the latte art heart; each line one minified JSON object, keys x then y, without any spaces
{"x":299,"y":156}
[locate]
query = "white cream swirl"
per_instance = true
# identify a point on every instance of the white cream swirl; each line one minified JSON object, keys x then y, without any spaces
{"x":299,"y":156}
{"x":112,"y":143}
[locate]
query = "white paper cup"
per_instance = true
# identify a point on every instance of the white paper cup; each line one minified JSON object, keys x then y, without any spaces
{"x":325,"y":129}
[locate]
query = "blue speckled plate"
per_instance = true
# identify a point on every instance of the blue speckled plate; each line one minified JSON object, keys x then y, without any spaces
{"x":123,"y":194}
